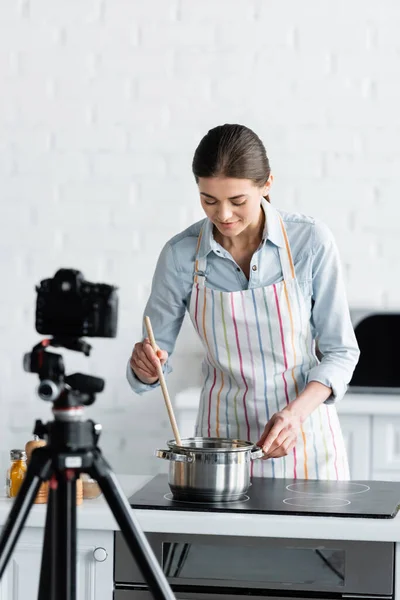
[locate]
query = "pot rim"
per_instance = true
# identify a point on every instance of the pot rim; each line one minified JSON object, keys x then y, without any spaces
{"x":242,"y":445}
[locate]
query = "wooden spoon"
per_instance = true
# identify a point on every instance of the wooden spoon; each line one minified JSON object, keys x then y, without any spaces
{"x":163,"y":384}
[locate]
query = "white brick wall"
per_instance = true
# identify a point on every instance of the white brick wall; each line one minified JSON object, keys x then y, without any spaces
{"x":102,"y":103}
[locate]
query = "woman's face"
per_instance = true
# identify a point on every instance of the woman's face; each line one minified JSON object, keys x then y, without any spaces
{"x":231,"y":204}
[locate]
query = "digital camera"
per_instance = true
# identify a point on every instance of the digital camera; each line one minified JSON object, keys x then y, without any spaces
{"x":68,"y":306}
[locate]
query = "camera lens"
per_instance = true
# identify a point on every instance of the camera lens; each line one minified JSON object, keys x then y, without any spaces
{"x":48,"y":390}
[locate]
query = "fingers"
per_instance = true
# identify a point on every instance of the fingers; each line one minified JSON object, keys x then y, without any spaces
{"x":282,"y":446}
{"x":272,"y":436}
{"x":154,"y":357}
{"x":145,"y":362}
{"x":279,"y":437}
{"x":142,"y":373}
{"x":148,"y":355}
{"x":163,"y":356}
{"x":138,"y":364}
{"x":284,"y":449}
{"x":266,"y":431}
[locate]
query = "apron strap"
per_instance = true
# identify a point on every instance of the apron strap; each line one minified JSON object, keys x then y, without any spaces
{"x":286,"y":257}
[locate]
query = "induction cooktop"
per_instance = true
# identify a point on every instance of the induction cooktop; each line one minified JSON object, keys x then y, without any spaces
{"x":364,"y":499}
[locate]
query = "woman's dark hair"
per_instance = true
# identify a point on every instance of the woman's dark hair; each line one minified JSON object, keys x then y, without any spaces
{"x":232,"y":151}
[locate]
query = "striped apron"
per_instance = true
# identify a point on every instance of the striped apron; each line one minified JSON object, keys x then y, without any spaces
{"x":258,"y":351}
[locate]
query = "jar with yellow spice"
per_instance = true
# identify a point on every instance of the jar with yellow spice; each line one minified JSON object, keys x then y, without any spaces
{"x":16,"y":472}
{"x":42,"y":495}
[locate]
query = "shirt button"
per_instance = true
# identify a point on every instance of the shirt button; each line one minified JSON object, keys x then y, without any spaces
{"x":254,"y":267}
{"x":237,"y":268}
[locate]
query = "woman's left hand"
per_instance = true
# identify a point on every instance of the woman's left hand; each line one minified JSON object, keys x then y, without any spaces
{"x":280,"y":434}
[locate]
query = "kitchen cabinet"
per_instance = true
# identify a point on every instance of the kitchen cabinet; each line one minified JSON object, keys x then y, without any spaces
{"x":95,"y":557}
{"x":386,"y":450}
{"x":357,"y":437}
{"x":372,"y":438}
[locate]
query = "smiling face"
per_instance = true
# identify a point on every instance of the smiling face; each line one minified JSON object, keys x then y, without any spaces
{"x":232,"y":204}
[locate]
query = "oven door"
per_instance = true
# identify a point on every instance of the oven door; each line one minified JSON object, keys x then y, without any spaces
{"x":144,"y":595}
{"x":216,"y":564}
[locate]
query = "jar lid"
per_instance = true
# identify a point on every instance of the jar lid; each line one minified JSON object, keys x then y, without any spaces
{"x":17,"y":454}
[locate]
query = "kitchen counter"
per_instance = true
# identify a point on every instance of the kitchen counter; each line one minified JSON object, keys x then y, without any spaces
{"x":371,"y":404}
{"x":95,"y":515}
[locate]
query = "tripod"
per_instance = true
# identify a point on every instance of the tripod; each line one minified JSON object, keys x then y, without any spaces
{"x":72,"y":449}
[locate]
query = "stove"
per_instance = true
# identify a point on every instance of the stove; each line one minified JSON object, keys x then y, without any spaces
{"x":201,"y":565}
{"x":363,"y":499}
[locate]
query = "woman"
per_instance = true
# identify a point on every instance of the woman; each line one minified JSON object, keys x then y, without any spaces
{"x":265,"y":294}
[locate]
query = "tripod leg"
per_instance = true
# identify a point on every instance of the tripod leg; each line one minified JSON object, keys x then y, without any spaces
{"x":47,"y":579}
{"x":38,"y":471}
{"x":130,"y":529}
{"x":63,"y":535}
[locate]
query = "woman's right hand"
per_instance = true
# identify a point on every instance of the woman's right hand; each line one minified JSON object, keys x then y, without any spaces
{"x":144,"y":361}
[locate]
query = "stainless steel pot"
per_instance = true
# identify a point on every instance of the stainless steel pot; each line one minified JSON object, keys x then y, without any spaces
{"x":209,"y":469}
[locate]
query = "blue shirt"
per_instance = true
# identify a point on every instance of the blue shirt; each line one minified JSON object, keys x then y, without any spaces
{"x":318,"y":271}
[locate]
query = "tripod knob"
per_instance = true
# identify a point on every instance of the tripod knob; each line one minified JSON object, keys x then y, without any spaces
{"x":100,"y":554}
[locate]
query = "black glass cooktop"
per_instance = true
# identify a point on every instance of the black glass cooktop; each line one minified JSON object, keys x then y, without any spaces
{"x":367,"y":499}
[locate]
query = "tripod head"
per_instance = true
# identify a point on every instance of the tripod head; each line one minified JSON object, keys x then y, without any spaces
{"x":68,"y":307}
{"x":66,"y":391}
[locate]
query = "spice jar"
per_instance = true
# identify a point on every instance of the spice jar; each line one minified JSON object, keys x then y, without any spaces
{"x":30,"y":446}
{"x":91,"y":488}
{"x":42,"y":495}
{"x":16,"y":472}
{"x":79,"y":491}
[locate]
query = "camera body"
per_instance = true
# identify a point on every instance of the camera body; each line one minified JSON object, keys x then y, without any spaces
{"x":69,"y":306}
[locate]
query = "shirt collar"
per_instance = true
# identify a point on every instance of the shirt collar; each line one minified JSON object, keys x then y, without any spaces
{"x":273,"y":226}
{"x":272,"y":231}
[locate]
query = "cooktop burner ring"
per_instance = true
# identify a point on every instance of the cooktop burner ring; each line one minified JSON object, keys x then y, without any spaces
{"x":349,"y":489}
{"x":245,"y":498}
{"x":315,"y":501}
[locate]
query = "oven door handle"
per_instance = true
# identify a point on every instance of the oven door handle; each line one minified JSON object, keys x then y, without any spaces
{"x":168,"y":455}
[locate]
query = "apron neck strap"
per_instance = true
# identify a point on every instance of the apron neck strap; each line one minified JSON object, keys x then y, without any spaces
{"x":286,"y":256}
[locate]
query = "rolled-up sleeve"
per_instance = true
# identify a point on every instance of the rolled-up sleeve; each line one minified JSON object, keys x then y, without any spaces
{"x":166,"y":308}
{"x":330,"y":317}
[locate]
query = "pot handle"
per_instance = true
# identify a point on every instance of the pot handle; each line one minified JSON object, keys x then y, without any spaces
{"x":256,"y":453}
{"x":168,"y":455}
